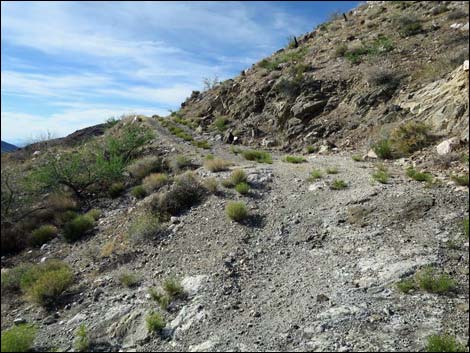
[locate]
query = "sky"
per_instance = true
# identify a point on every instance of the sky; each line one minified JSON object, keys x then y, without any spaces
{"x":69,"y":65}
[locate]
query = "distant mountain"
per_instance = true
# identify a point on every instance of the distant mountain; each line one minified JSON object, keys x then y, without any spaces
{"x":8,"y":147}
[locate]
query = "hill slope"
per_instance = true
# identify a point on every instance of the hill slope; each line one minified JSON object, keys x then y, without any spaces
{"x":8,"y":147}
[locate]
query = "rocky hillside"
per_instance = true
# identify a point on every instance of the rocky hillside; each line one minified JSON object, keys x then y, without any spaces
{"x":350,"y":81}
{"x":347,"y":231}
{"x":8,"y":147}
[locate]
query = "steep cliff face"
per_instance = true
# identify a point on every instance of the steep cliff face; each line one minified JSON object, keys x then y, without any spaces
{"x":349,"y":80}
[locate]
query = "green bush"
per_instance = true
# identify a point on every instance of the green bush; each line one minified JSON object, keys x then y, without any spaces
{"x":410,"y":137}
{"x":444,"y":343}
{"x":314,"y":175}
{"x":94,"y":213}
{"x":338,"y":184}
{"x":408,"y":25}
{"x":432,"y":282}
{"x":18,"y":338}
{"x":289,"y":55}
{"x":381,"y":176}
{"x":202,"y":144}
{"x":162,"y":299}
{"x":357,"y":158}
{"x":383,"y":149}
{"x":11,"y":278}
{"x":45,"y":282}
{"x":116,"y":189}
{"x":140,"y":168}
{"x":154,"y":182}
{"x":216,"y":165}
{"x":461,"y":180}
{"x":144,"y":227}
{"x":311,"y":149}
{"x":294,"y":159}
{"x":77,"y":227}
{"x":418,"y":176}
{"x":180,"y":163}
{"x":406,"y":285}
{"x":81,"y":342}
{"x":42,"y":235}
{"x":258,"y":156}
{"x":155,"y":322}
{"x":221,"y":124}
{"x":238,"y":176}
{"x":236,"y":211}
{"x":186,"y":192}
{"x":173,"y":287}
{"x":138,"y":192}
{"x":128,"y":279}
{"x":242,"y":188}
{"x":211,"y":185}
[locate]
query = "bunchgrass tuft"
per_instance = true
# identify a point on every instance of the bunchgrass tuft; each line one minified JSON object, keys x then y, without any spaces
{"x":242,"y":188}
{"x":430,"y":281}
{"x":338,"y":184}
{"x":18,"y":338}
{"x":418,"y":176}
{"x":332,"y":170}
{"x":315,"y":174}
{"x":444,"y":343}
{"x":294,"y":159}
{"x":128,"y":279}
{"x":155,"y":322}
{"x":258,"y":156}
{"x":236,"y":211}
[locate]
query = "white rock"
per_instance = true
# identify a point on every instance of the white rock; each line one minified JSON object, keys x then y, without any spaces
{"x":205,"y":346}
{"x":193,"y":284}
{"x":36,"y":153}
{"x":465,"y":65}
{"x":323,"y":149}
{"x":447,"y":146}
{"x":371,"y":155}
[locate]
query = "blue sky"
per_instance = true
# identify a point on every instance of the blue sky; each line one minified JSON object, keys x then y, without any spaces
{"x":69,"y":65}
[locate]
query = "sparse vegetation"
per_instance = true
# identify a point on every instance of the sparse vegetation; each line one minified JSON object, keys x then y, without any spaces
{"x":94,"y":213}
{"x":155,"y":322}
{"x":461,"y":180}
{"x":430,"y":281}
{"x":43,"y":234}
{"x":154,"y":182}
{"x":311,"y":149}
{"x":406,"y":285}
{"x":138,"y":192}
{"x":116,"y":189}
{"x":81,"y":342}
{"x":202,"y":144}
{"x":338,"y":184}
{"x":258,"y":156}
{"x":238,"y":176}
{"x":19,"y":338}
{"x":315,"y":174}
{"x":76,"y":228}
{"x":408,"y":25}
{"x":242,"y":188}
{"x":332,"y":170}
{"x":410,"y":137}
{"x":418,"y":176}
{"x":221,"y":124}
{"x":466,"y":227}
{"x":381,"y":175}
{"x":357,"y":158}
{"x":383,"y":149}
{"x":444,"y":343}
{"x":289,"y":55}
{"x":180,"y":163}
{"x":211,"y":185}
{"x":236,"y":211}
{"x":186,"y":192}
{"x":216,"y":165}
{"x":128,"y":279}
{"x":144,"y":227}
{"x":173,"y":287}
{"x":355,"y":53}
{"x":161,"y":298}
{"x":140,"y":168}
{"x":294,"y":159}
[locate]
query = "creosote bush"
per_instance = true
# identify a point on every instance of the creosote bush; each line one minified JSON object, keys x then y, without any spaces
{"x":19,"y":338}
{"x":236,"y":211}
{"x":76,"y":228}
{"x":43,"y":234}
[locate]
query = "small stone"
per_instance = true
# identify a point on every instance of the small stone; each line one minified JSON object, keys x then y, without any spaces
{"x":19,"y":321}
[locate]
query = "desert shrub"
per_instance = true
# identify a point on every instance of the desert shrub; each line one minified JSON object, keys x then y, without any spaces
{"x":410,"y":137}
{"x":11,"y":278}
{"x":43,"y":234}
{"x":354,"y":53}
{"x":430,"y":281}
{"x":128,"y":279}
{"x":18,"y":338}
{"x":238,"y":176}
{"x":211,"y":185}
{"x":236,"y":211}
{"x":381,"y":175}
{"x":314,"y":175}
{"x":173,"y":287}
{"x":338,"y":184}
{"x":45,"y":282}
{"x":311,"y":149}
{"x":81,"y":342}
{"x":341,"y":50}
{"x":216,"y":165}
{"x":138,"y":192}
{"x":202,"y":144}
{"x":294,"y":159}
{"x":408,"y":25}
{"x":161,"y":298}
{"x":67,"y":216}
{"x":258,"y":156}
{"x":242,"y":188}
{"x":116,"y":189}
{"x":406,"y":285}
{"x":382,"y":77}
{"x":357,"y":158}
{"x":288,"y":87}
{"x":332,"y":170}
{"x":180,"y":163}
{"x":221,"y":124}
{"x":441,"y":8}
{"x":461,"y":180}
{"x":142,"y":167}
{"x":418,"y":176}
{"x":186,"y":192}
{"x":383,"y":149}
{"x":59,"y":202}
{"x":154,"y":182}
{"x":289,"y":55}
{"x":76,"y":228}
{"x":94,"y":213}
{"x":144,"y":227}
{"x":155,"y":322}
{"x":444,"y":343}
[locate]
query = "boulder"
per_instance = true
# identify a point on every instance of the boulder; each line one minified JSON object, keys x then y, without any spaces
{"x":447,"y":146}
{"x":305,"y":108}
